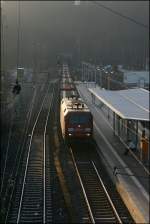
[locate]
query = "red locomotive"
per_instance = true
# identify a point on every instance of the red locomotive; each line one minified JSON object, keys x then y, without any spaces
{"x":75,"y":118}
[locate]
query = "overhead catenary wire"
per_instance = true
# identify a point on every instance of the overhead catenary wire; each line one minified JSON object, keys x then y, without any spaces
{"x":121,"y":15}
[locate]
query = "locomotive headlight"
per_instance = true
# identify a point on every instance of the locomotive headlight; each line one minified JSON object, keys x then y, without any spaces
{"x":88,"y":134}
{"x":87,"y":129}
{"x":70,"y":134}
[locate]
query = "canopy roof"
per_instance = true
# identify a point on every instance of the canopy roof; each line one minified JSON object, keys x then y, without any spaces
{"x":128,"y":104}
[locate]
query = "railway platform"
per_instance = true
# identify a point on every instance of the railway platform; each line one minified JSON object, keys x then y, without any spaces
{"x":129,"y":175}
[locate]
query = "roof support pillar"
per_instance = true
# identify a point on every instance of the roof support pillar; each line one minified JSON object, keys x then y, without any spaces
{"x":127,"y":127}
{"x":114,"y":126}
{"x":93,"y":98}
{"x":118,"y":125}
{"x":136,"y":131}
{"x":108,"y":112}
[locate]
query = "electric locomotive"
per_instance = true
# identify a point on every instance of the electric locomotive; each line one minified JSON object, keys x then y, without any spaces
{"x":75,"y":118}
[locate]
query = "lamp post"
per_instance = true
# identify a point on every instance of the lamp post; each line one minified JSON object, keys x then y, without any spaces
{"x":82,"y":71}
{"x":108,"y":81}
{"x":95,"y":75}
{"x":99,"y":77}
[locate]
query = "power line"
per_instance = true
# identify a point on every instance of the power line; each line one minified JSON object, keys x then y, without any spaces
{"x":121,"y":15}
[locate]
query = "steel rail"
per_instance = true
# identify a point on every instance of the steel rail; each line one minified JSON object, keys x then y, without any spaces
{"x":28,"y":155}
{"x":107,"y":194}
{"x":7,"y":149}
{"x":22,"y":146}
{"x":84,"y":193}
{"x":44,"y":171}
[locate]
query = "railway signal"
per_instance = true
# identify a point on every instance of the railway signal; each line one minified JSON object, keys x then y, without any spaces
{"x":17,"y":88}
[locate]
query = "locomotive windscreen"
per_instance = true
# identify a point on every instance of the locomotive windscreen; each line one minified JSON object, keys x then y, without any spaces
{"x":79,"y":118}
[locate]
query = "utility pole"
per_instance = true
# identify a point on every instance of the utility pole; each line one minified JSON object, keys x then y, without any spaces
{"x":18,"y":38}
{"x":3,"y":48}
{"x":5,"y":58}
{"x":34,"y":62}
{"x":4,"y":27}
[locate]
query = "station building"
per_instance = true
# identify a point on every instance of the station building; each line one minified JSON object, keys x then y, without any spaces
{"x":135,"y":78}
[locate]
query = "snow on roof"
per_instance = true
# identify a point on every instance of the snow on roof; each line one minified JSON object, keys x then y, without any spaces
{"x":128,"y":104}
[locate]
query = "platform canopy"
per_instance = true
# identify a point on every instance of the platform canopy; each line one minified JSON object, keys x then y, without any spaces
{"x":130,"y":104}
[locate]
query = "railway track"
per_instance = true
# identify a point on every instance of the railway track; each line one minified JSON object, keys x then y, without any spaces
{"x":26,"y":109}
{"x":14,"y":144}
{"x":98,"y":200}
{"x":33,"y":188}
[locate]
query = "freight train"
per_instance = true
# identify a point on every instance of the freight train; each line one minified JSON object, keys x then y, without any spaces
{"x":75,"y":117}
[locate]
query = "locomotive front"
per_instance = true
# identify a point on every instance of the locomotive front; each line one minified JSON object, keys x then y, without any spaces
{"x":79,"y":125}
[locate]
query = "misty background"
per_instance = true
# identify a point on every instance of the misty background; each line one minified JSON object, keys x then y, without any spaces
{"x":85,"y":31}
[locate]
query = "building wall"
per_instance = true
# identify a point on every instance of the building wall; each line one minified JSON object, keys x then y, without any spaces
{"x":136,"y":76}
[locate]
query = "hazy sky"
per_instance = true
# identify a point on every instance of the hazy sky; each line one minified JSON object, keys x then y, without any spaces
{"x":84,"y":30}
